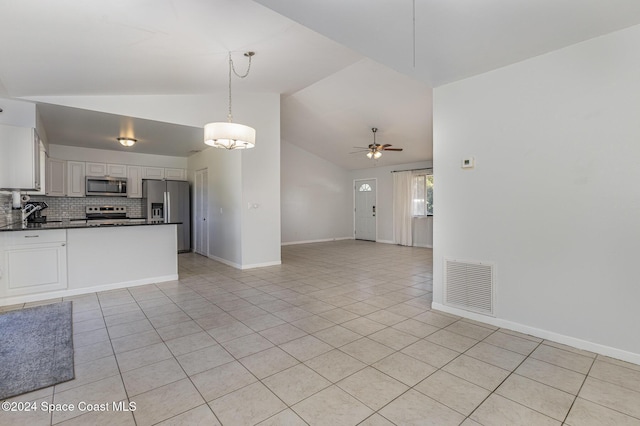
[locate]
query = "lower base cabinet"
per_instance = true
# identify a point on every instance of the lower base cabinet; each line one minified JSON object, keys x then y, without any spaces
{"x":34,"y":262}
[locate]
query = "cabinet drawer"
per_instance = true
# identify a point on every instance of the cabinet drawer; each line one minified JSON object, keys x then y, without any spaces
{"x":35,"y":237}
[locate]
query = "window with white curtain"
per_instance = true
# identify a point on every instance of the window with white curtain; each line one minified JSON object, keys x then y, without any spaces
{"x":422,"y":195}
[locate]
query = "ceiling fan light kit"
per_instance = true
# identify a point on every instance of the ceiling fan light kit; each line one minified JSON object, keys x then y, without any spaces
{"x":230,"y":135}
{"x":374,"y":150}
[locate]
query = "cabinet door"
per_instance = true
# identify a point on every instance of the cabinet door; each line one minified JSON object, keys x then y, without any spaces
{"x":175,"y":174}
{"x":117,"y":170}
{"x":23,"y":278}
{"x":95,"y":169}
{"x":134,"y":182}
{"x":75,"y":179}
{"x":19,"y":158}
{"x":43,"y":172}
{"x":56,"y":181}
{"x":152,"y":173}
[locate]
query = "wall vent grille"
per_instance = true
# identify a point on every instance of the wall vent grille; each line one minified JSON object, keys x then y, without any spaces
{"x":469,"y":286}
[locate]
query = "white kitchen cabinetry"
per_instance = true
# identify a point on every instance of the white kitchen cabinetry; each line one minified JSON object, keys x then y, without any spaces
{"x":153,"y":173}
{"x":19,"y":158}
{"x":75,"y":179}
{"x":56,"y":181}
{"x":104,"y":169}
{"x":134,"y":181}
{"x":175,"y":174}
{"x":43,"y":172}
{"x":34,"y":262}
{"x":117,"y":170}
{"x":95,"y":169}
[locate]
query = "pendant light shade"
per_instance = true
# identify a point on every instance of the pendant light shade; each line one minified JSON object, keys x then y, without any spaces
{"x":230,"y":135}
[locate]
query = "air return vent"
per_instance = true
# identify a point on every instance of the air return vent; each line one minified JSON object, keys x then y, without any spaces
{"x":469,"y":286}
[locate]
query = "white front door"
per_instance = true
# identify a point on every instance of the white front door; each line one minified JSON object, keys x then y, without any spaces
{"x":365,"y":199}
{"x":201,"y":207}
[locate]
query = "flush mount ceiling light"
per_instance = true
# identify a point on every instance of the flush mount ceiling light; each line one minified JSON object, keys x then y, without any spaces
{"x":127,"y":141}
{"x":230,"y":135}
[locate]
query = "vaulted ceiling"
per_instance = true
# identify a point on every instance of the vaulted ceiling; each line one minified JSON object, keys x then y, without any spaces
{"x":342,"y":67}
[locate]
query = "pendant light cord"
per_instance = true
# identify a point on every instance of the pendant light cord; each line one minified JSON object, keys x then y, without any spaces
{"x":233,"y":68}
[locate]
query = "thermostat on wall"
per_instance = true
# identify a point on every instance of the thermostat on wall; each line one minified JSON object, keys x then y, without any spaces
{"x":468,"y":163}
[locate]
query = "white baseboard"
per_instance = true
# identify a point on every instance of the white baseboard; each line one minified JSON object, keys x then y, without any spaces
{"x":243,"y":267}
{"x":544,"y":334}
{"x":415,"y":245}
{"x":291,"y":243}
{"x":261,"y":265}
{"x":423,"y":246}
{"x":14,"y":300}
{"x":225,"y":261}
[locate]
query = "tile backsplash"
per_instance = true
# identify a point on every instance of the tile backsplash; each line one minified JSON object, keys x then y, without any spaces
{"x":70,"y":207}
{"x":5,"y":210}
{"x":74,"y":208}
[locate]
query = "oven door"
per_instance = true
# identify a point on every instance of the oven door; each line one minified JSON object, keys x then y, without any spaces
{"x":106,"y":186}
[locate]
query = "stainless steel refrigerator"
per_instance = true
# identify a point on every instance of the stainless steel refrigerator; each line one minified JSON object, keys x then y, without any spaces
{"x":166,"y":201}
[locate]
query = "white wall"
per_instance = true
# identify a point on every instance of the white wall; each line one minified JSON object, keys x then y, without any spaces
{"x":17,"y":113}
{"x":384,"y":196}
{"x":317,"y":200}
{"x":261,"y":187}
{"x":554,"y":199}
{"x":225,"y":202}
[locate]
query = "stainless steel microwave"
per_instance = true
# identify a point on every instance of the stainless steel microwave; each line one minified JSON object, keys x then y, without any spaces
{"x":105,"y":186}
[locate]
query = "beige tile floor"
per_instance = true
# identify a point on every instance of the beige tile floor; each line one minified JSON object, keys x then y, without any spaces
{"x":340,"y":334}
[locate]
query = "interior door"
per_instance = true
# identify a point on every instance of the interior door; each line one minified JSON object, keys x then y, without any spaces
{"x":365,"y":211}
{"x":201,"y":203}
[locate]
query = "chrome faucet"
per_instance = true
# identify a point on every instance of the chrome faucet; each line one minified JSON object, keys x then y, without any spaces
{"x":28,"y":210}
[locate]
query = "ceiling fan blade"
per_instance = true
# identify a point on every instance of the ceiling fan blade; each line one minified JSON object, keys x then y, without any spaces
{"x":358,"y":152}
{"x":386,"y":145}
{"x":392,"y":149}
{"x":362,"y":147}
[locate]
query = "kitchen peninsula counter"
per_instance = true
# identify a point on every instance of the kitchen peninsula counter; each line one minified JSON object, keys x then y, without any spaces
{"x":62,"y":260}
{"x":55,"y":224}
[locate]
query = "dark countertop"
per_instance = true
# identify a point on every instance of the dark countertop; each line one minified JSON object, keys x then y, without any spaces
{"x":71,"y":225}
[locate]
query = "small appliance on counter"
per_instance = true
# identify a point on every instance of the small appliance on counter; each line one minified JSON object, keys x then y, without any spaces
{"x":33,"y":211}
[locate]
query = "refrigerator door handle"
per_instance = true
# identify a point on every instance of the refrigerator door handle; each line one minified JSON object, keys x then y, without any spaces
{"x":168,"y":206}
{"x":165,"y":210}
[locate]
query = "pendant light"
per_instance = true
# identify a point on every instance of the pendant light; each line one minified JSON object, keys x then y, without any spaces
{"x":230,"y":135}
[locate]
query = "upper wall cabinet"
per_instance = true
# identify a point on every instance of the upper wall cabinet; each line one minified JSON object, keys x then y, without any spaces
{"x":104,"y":169}
{"x":164,"y":173}
{"x":56,"y":181}
{"x":152,"y":173}
{"x":117,"y":170}
{"x":76,"y":179}
{"x":175,"y":174}
{"x":134,"y":182}
{"x":95,"y":169}
{"x":19,"y":158}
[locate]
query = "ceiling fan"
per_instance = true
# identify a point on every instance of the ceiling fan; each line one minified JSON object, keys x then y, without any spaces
{"x":374,"y":150}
